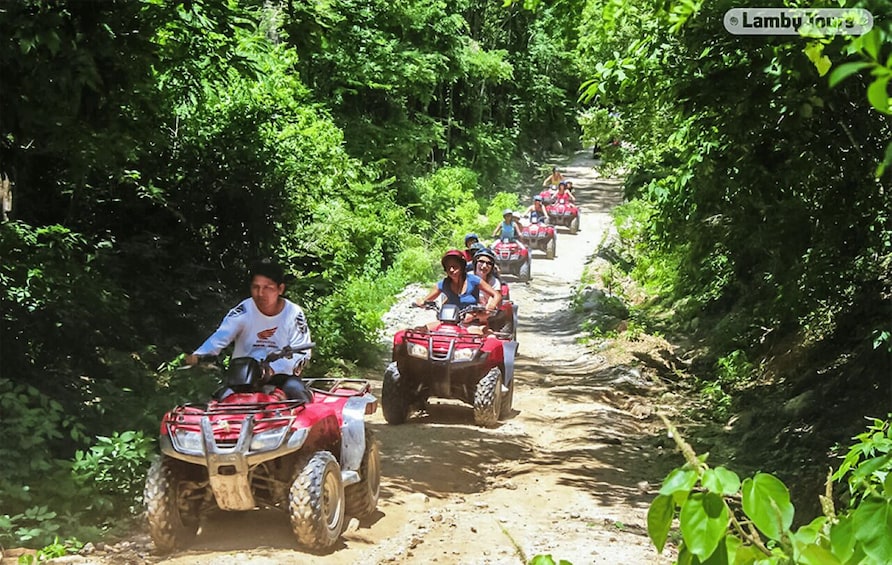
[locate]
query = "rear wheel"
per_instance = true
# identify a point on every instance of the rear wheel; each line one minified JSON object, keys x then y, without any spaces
{"x":394,"y":396}
{"x":316,"y":502}
{"x":549,"y":249}
{"x":172,"y":514}
{"x":524,"y":272}
{"x":362,"y":498}
{"x":487,"y":398}
{"x":574,"y":225}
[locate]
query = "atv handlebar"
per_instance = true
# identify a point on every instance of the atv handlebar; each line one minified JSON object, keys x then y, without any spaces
{"x":287,"y":351}
{"x":431,"y":305}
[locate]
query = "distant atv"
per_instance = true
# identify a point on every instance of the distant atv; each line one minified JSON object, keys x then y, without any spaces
{"x":564,"y":214}
{"x":316,"y":461}
{"x":540,"y":236}
{"x":448,"y":360}
{"x":513,"y":259}
{"x":547,"y":195}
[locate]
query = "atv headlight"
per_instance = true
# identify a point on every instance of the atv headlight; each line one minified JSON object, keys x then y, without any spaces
{"x":464,"y":354}
{"x":297,"y":439}
{"x":416,"y":350}
{"x":268,"y":440}
{"x":188,"y":442}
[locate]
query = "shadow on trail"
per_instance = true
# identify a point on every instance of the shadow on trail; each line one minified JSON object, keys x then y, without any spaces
{"x":602,"y":448}
{"x":447,"y":457}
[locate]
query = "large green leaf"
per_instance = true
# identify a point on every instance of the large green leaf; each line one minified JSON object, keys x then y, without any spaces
{"x":878,"y":95}
{"x":872,"y":522}
{"x":659,"y":520}
{"x":766,"y":501}
{"x":842,"y":538}
{"x":679,"y":480}
{"x":721,"y":481}
{"x":704,"y":522}
{"x":845,"y":70}
{"x":807,"y":548}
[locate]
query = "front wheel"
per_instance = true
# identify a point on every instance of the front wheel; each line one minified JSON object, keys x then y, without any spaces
{"x":316,"y":502}
{"x":574,"y":225}
{"x":550,"y":248}
{"x":362,"y":497}
{"x":487,"y":398}
{"x":172,"y":513}
{"x":395,"y":400}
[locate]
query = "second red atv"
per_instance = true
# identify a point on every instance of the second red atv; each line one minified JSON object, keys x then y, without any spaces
{"x":446,"y":359}
{"x":540,"y":236}
{"x":316,"y":461}
{"x":564,"y":214}
{"x":513,"y":259}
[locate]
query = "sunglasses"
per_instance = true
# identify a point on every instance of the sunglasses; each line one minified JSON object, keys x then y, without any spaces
{"x":485,"y":263}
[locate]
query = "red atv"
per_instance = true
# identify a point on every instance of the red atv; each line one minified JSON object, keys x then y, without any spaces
{"x":564,"y":214}
{"x":513,"y":258}
{"x":540,"y":236}
{"x":448,"y":360}
{"x":547,"y":195}
{"x":317,"y":461}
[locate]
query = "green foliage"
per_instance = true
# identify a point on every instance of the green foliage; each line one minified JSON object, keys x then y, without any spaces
{"x":34,"y":424}
{"x":547,"y":559}
{"x":867,"y":464}
{"x":156,"y":148}
{"x":714,"y":531}
{"x":446,"y":202}
{"x":52,"y":551}
{"x":116,"y":466}
{"x":748,"y":171}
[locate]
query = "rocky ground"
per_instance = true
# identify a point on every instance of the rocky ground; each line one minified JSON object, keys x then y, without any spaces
{"x":571,"y":473}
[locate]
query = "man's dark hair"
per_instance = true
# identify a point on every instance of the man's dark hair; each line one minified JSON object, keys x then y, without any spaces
{"x":269,"y":269}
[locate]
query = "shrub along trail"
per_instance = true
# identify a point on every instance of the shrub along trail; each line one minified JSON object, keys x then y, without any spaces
{"x":571,"y":473}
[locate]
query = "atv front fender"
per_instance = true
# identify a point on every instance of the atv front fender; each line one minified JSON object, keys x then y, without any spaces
{"x":353,"y":436}
{"x":509,"y":349}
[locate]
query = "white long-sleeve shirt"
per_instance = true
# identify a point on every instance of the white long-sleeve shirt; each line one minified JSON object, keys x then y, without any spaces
{"x":257,"y":335}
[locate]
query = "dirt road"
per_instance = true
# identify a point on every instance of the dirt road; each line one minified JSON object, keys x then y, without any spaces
{"x":570,"y":474}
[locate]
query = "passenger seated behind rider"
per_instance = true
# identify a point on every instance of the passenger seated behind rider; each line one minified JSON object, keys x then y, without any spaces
{"x":461,"y":288}
{"x":470,"y":240}
{"x":486,"y":268}
{"x":508,"y":228}
{"x":260,"y":325}
{"x":537,"y":212}
{"x":563,"y":196}
{"x":475,"y":247}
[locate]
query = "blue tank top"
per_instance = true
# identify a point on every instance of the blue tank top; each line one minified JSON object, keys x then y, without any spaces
{"x":468,"y":298}
{"x":508,"y":232}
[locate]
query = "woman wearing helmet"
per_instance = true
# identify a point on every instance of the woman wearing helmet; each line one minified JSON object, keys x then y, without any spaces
{"x":537,"y":212}
{"x":460,"y":287}
{"x":470,"y":241}
{"x":485,"y":268}
{"x":562,"y":196}
{"x":508,"y":228}
{"x":554,"y":178}
{"x":472,"y":251}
